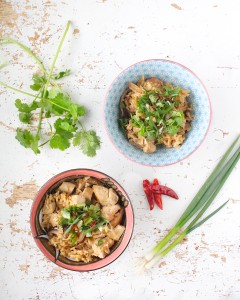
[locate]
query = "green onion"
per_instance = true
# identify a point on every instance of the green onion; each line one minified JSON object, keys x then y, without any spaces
{"x":198,"y":206}
{"x":70,"y":227}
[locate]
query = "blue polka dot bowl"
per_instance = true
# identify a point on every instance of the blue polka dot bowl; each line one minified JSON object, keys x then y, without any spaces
{"x":177,"y":75}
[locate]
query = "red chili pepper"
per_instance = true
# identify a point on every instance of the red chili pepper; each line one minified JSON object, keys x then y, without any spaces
{"x":148,"y":193}
{"x":157,"y":197}
{"x":92,"y":224}
{"x":161,"y":189}
{"x":75,"y":228}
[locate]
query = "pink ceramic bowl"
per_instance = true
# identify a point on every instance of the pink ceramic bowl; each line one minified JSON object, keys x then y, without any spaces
{"x":40,"y":235}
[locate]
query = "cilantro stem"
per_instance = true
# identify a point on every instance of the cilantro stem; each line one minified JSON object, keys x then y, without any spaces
{"x":44,"y":143}
{"x":81,"y":126}
{"x":55,"y":57}
{"x":6,"y":40}
{"x":17,"y":90}
{"x":44,"y":92}
{"x":40,"y":117}
{"x":3,"y":65}
{"x":64,"y":108}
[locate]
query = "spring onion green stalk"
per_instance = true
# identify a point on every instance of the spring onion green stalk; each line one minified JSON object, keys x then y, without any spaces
{"x":198,"y":206}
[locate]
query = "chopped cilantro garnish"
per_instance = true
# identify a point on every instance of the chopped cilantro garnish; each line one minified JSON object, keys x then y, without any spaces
{"x":78,"y":219}
{"x":100,"y":242}
{"x":156,"y":114}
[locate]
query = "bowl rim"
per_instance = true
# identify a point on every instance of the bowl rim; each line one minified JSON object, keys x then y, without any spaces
{"x":162,"y":60}
{"x":102,"y":262}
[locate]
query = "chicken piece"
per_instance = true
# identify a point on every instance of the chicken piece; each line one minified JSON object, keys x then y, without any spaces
{"x":67,"y":187}
{"x":149,"y":147}
{"x":118,"y":217}
{"x":49,"y":205}
{"x":112,"y":197}
{"x":108,"y":212}
{"x":105,"y":196}
{"x":100,"y":192}
{"x":104,"y":249}
{"x":153,"y":83}
{"x":131,"y":100}
{"x":136,"y":141}
{"x":90,"y":180}
{"x":136,"y":89}
{"x":80,"y":186}
{"x":87,"y":193}
{"x":116,"y":232}
{"x":77,"y":199}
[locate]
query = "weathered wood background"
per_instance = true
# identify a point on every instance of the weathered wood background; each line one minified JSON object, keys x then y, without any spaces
{"x":107,"y":36}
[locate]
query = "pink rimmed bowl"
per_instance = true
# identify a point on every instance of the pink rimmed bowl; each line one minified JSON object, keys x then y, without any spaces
{"x":177,"y":75}
{"x":40,"y":235}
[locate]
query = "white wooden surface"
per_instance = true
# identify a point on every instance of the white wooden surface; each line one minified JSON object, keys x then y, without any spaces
{"x":107,"y":36}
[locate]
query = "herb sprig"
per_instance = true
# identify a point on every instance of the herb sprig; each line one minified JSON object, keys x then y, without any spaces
{"x":50,"y":101}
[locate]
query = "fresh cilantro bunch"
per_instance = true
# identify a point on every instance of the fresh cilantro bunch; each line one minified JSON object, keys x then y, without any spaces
{"x":51,"y":103}
{"x":156,"y":114}
{"x":77,"y":219}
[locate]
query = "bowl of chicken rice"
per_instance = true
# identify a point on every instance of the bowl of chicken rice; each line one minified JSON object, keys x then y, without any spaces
{"x":82,"y":219}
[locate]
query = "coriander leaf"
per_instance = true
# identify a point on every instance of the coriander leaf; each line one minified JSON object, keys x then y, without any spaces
{"x":100,"y":242}
{"x":24,"y":107}
{"x":52,"y":93}
{"x":88,"y":141}
{"x":59,"y":104}
{"x":175,"y":121}
{"x":38,"y":79}
{"x":28,"y":140}
{"x":59,"y":142}
{"x":62,"y":74}
{"x":66,"y":213}
{"x":35,"y":86}
{"x":73,"y":108}
{"x":122,"y":124}
{"x":153,"y":98}
{"x":47,"y":114}
{"x":65,"y":127}
{"x":77,"y":140}
{"x":38,"y":82}
{"x":25,"y":117}
{"x":81,"y":111}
